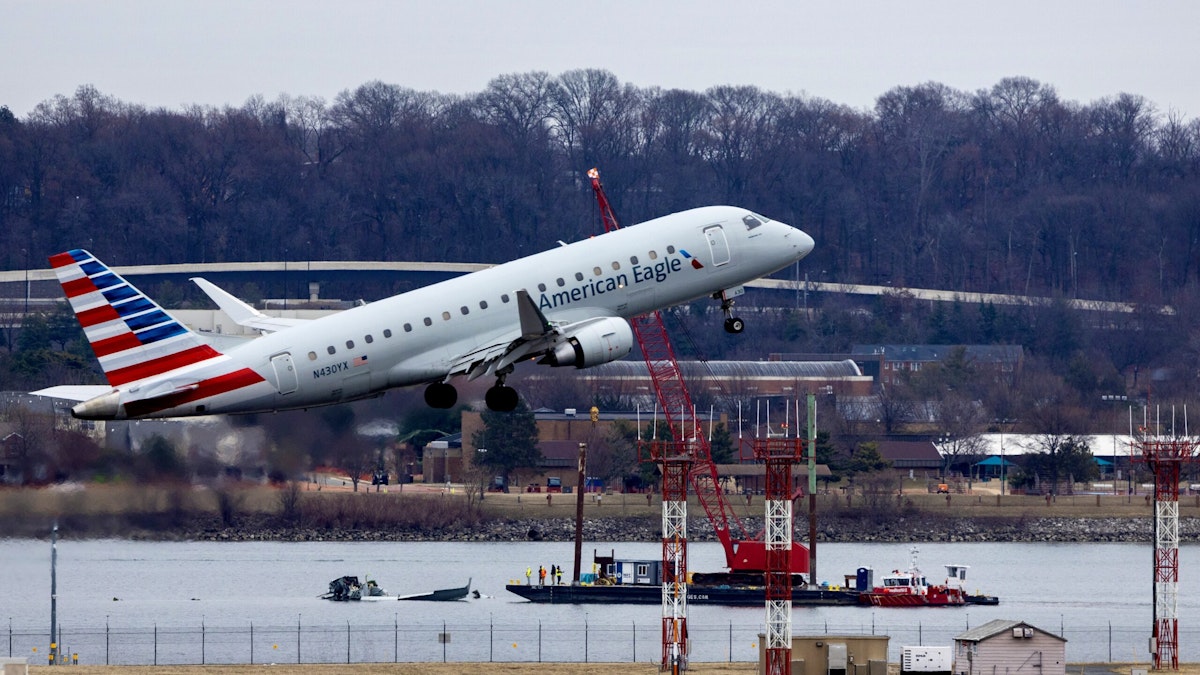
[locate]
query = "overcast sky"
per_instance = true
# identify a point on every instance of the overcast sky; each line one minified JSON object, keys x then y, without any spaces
{"x":171,"y":53}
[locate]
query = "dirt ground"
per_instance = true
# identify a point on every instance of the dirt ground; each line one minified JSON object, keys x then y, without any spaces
{"x":408,"y":669}
{"x":511,"y":669}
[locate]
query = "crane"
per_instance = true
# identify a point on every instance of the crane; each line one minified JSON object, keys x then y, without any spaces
{"x":743,"y":554}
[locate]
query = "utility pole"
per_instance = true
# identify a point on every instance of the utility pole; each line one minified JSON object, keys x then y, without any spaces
{"x":54,"y":595}
{"x":579,"y":510}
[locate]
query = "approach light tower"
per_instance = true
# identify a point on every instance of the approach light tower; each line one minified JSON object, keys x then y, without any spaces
{"x":1165,"y":456}
{"x":675,"y":460}
{"x":779,"y":454}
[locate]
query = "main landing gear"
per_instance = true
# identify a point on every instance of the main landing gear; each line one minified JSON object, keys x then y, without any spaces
{"x":441,"y":395}
{"x":500,"y":398}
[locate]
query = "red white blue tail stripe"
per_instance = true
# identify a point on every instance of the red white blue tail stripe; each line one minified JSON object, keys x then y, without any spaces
{"x":132,"y":336}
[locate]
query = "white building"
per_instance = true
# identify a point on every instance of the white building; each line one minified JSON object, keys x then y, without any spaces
{"x":1003,"y":646}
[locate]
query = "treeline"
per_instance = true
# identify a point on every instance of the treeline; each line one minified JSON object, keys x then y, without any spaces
{"x":1008,"y":189}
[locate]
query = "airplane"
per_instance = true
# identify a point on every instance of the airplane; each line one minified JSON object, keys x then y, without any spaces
{"x":567,"y":306}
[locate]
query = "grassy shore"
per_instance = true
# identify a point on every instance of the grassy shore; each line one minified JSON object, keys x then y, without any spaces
{"x":274,"y":512}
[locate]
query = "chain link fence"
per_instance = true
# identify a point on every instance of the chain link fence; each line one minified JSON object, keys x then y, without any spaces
{"x":504,"y":642}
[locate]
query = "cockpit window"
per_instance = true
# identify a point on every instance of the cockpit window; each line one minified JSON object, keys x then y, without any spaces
{"x":753,"y":220}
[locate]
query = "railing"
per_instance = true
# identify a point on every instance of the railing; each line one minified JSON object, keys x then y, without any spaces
{"x":405,"y":642}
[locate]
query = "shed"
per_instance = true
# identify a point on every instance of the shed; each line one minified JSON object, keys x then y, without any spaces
{"x":995,"y":466}
{"x":914,"y":456}
{"x":1005,"y":646}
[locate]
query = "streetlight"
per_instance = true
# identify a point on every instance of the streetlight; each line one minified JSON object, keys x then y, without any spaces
{"x":479,"y":466}
{"x":1002,"y":423}
{"x":943,"y":441}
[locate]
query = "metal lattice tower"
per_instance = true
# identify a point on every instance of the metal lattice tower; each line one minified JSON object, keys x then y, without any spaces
{"x":1166,"y":456}
{"x":675,"y":459}
{"x":778,"y":454}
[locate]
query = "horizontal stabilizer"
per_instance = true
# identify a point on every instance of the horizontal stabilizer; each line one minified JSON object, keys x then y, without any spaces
{"x":242,"y":313}
{"x":73,"y":392}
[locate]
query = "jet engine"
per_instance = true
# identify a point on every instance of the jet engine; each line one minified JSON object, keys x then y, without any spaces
{"x":595,"y":342}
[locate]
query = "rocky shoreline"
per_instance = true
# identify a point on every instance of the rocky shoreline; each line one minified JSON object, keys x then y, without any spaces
{"x":906,"y":529}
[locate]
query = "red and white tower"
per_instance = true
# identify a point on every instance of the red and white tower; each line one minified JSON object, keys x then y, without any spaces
{"x":778,"y":454}
{"x":1166,"y":455}
{"x":675,"y":459}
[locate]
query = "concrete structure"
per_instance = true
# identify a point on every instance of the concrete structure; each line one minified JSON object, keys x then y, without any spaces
{"x":630,"y":380}
{"x":1004,"y":646}
{"x":834,"y":654}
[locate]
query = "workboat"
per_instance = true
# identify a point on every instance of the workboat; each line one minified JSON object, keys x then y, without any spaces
{"x":911,"y":588}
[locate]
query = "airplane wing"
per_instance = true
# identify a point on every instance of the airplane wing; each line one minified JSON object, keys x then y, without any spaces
{"x":557,"y":341}
{"x":243,"y":314}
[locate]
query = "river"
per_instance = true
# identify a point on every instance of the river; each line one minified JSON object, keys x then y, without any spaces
{"x":191,"y":602}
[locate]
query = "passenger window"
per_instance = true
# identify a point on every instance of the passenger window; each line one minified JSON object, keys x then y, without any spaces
{"x":369,"y":339}
{"x":312,"y":356}
{"x":331,"y":350}
{"x":654,"y":255}
{"x":428,"y":321}
{"x":616,"y":265}
{"x":387,"y":332}
{"x":504,"y":297}
{"x":349,"y":344}
{"x":464,"y":310}
{"x":561,"y":283}
{"x":542,"y":287}
{"x":483,"y":304}
{"x":597,"y":271}
{"x":670,"y":249}
{"x":633,"y":260}
{"x":579,"y":276}
{"x":445,"y":316}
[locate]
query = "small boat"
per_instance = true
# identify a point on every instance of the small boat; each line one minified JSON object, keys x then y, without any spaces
{"x":910,"y":588}
{"x":441,"y":595}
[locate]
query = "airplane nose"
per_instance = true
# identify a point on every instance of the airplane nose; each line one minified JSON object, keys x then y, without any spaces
{"x":801,"y":243}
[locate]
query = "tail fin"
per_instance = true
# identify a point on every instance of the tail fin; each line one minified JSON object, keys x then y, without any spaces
{"x":132,"y":336}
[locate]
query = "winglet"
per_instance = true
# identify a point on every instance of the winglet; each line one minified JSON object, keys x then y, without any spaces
{"x":533,"y":322}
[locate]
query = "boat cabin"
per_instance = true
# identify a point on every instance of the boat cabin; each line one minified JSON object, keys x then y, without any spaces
{"x":636,"y":572}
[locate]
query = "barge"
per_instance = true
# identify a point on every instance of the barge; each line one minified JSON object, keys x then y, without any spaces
{"x":616,"y":581}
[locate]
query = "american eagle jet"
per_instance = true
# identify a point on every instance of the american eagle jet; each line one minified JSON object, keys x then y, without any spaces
{"x":568,"y":306}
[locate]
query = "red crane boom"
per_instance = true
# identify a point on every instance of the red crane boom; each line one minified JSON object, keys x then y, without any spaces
{"x":741,"y":553}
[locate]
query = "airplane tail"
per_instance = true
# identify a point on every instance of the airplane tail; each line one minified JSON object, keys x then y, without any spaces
{"x":132,"y":336}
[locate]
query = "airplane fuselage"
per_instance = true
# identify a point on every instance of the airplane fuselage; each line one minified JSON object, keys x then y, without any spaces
{"x":436,"y":332}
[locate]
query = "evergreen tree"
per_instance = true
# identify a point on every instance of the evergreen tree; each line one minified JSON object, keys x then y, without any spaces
{"x":510,"y":439}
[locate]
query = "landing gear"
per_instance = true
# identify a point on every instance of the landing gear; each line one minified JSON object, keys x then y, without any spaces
{"x":732,"y":323}
{"x":441,"y":395}
{"x":501,"y":398}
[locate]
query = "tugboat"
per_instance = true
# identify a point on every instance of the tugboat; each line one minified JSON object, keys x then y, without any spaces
{"x":909,"y":588}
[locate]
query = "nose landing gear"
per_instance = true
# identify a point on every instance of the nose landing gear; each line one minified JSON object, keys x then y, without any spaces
{"x":733,"y":324}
